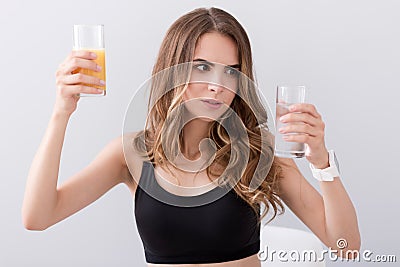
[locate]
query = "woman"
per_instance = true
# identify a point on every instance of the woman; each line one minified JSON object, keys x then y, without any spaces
{"x":222,"y":230}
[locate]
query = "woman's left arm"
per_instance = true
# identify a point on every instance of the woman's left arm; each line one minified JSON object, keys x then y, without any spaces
{"x":331,"y":216}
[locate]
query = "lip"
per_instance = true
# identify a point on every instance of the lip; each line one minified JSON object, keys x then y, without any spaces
{"x":211,"y":103}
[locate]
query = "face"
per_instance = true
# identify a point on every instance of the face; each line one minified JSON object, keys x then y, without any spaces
{"x":214,"y":78}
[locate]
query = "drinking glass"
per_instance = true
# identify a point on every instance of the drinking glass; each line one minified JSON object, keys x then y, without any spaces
{"x":285,"y":97}
{"x":91,"y":38}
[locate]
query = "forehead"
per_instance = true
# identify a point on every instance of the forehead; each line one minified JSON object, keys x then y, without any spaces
{"x":215,"y":47}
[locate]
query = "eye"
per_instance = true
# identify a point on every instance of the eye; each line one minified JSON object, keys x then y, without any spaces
{"x":232,"y":72}
{"x":202,"y":66}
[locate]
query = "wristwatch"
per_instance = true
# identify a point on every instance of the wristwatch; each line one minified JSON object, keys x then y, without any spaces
{"x":328,"y":173}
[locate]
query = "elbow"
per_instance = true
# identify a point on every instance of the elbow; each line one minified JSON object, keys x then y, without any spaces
{"x":357,"y":242}
{"x":352,"y":249}
{"x":352,"y":252}
{"x":32,"y":224}
{"x":33,"y":227}
{"x":358,"y":245}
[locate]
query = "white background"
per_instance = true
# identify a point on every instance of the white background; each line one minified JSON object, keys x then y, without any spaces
{"x":345,"y":52}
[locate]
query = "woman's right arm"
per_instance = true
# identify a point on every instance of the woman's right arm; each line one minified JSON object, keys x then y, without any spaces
{"x":44,"y":203}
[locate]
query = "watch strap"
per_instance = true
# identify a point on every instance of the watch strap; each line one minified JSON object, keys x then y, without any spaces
{"x":329,"y":173}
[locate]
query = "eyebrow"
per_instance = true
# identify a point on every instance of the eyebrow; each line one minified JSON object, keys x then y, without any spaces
{"x":235,"y":66}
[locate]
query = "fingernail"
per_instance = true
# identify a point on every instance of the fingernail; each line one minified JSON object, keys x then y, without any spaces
{"x":102,"y":82}
{"x":99,"y":91}
{"x":282,"y":118}
{"x":292,"y":107}
{"x":98,"y":67}
{"x":93,"y":55}
{"x":280,"y":130}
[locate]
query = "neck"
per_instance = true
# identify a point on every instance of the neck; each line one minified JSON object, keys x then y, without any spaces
{"x":193,"y":132}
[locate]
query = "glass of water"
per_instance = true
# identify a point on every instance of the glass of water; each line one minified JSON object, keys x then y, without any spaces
{"x":285,"y":97}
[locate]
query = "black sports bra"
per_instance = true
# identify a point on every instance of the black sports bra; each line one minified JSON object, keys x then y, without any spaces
{"x":223,"y":230}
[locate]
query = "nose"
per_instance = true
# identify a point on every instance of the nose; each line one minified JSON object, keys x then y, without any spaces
{"x":213,"y":87}
{"x":215,"y":82}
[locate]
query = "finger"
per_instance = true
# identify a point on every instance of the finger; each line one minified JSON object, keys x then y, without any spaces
{"x":304,"y":107}
{"x":76,"y":89}
{"x":86,"y":54}
{"x":75,"y":63}
{"x":299,"y":129}
{"x":65,"y":66}
{"x":300,"y":117}
{"x":79,"y":78}
{"x":298,"y":138}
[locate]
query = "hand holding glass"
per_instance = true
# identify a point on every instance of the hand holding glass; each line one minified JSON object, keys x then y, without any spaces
{"x":91,"y":38}
{"x":285,"y":97}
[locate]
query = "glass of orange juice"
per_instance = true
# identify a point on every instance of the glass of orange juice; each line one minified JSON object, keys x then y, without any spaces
{"x":91,"y":38}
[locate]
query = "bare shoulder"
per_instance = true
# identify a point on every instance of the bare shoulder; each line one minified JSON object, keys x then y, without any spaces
{"x":289,"y":169}
{"x":291,"y":182}
{"x":285,"y":163}
{"x":121,"y":149}
{"x":131,"y":160}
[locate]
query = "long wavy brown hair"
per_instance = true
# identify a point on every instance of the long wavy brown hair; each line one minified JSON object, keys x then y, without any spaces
{"x":161,"y":131}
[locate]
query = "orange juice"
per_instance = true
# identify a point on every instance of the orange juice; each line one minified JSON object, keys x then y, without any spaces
{"x":100,"y":60}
